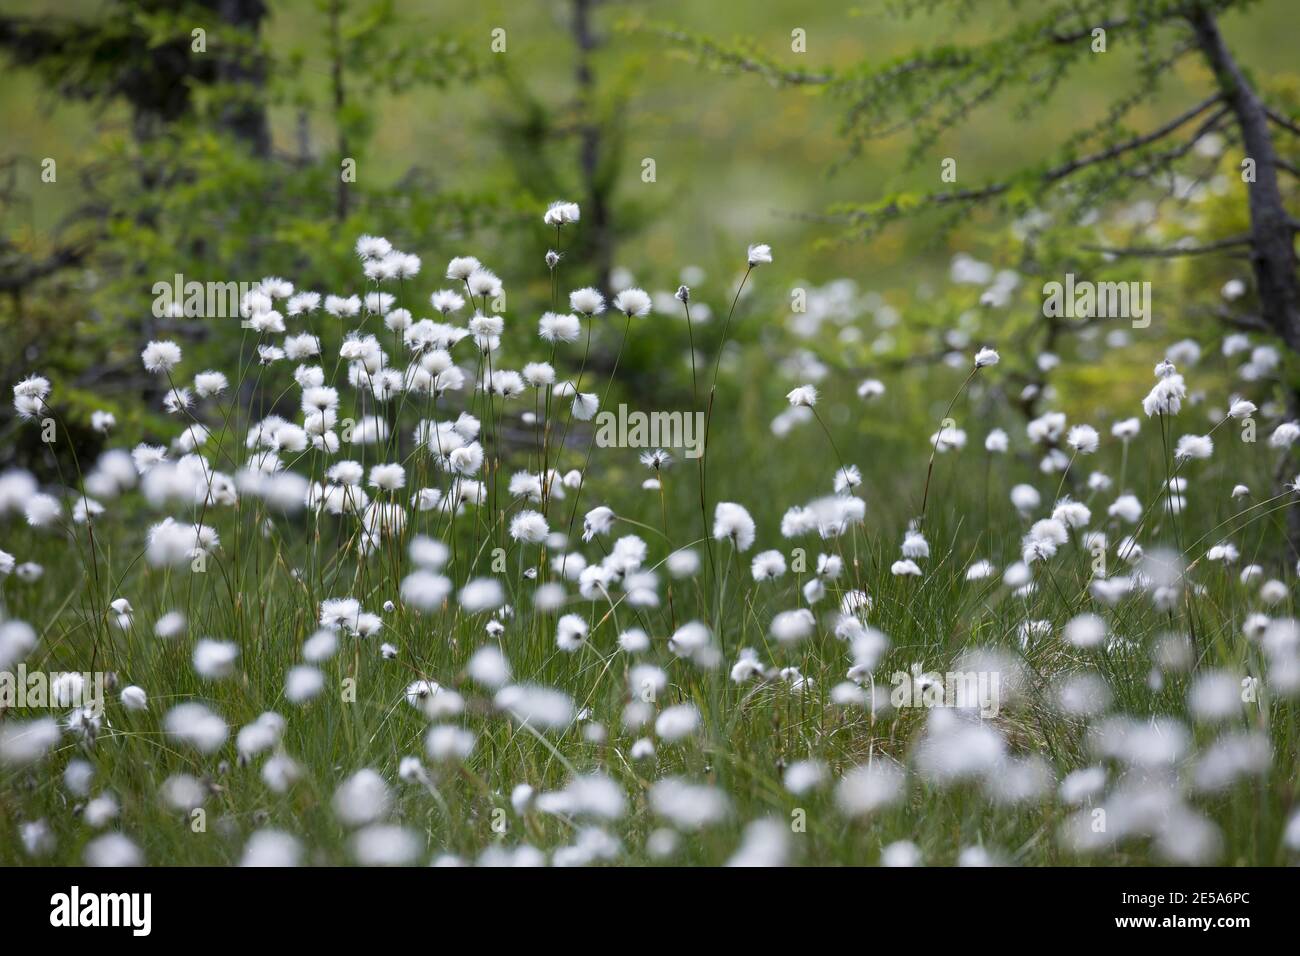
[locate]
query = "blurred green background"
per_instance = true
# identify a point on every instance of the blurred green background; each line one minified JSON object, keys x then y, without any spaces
{"x":737,"y":160}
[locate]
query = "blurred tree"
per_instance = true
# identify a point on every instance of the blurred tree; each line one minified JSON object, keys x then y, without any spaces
{"x":575,"y":147}
{"x":1040,"y":50}
{"x":153,"y":54}
{"x":931,"y":90}
{"x":200,"y":186}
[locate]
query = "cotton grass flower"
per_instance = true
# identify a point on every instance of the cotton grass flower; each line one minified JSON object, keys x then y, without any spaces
{"x":585,"y":405}
{"x":631,"y":302}
{"x":1083,"y":439}
{"x":870,"y":388}
{"x":1166,"y":396}
{"x":790,"y":627}
{"x":196,"y":725}
{"x":804,"y":395}
{"x":529,"y":527}
{"x":161,"y":357}
{"x":870,"y":787}
{"x":1284,"y":435}
{"x":543,"y":708}
{"x":27,"y":741}
{"x":449,"y":744}
{"x":587,"y":301}
{"x":768,"y":566}
{"x":1241,"y":409}
{"x":561,"y":213}
{"x":570,"y":633}
{"x":42,"y":511}
{"x":363,"y":798}
{"x":915,"y":545}
{"x":1194,"y":447}
{"x":689,"y":806}
{"x":731,"y":522}
{"x":677,"y":722}
{"x":559,"y":328}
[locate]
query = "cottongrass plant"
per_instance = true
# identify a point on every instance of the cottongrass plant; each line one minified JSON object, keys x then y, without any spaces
{"x":355,"y":618}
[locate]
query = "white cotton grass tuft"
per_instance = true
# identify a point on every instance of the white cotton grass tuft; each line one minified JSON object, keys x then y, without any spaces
{"x":765,"y":843}
{"x":446,"y":743}
{"x":529,"y":527}
{"x":555,"y":328}
{"x":541,"y":707}
{"x":684,"y":563}
{"x":112,"y":850}
{"x":1166,"y":396}
{"x":905,"y":568}
{"x":585,"y":405}
{"x":134,"y":698}
{"x":768,"y":566}
{"x":362,"y":798}
{"x":633,"y":302}
{"x":687,"y":805}
{"x":302,"y":683}
{"x":481,"y":595}
{"x":1194,"y":447}
{"x":160,"y":357}
{"x":587,"y":301}
{"x":804,"y":776}
{"x":561,"y":212}
{"x":870,"y":787}
{"x":214,"y":659}
{"x":197,"y":725}
{"x":732,"y":522}
{"x":271,"y":848}
{"x":677,"y":722}
{"x":900,"y":853}
{"x":385,"y":845}
{"x":571,"y":632}
{"x":599,"y":521}
{"x":804,"y":395}
{"x":1083,"y":439}
{"x":488,"y":666}
{"x":42,"y":511}
{"x":790,"y":627}
{"x":871,"y":388}
{"x":27,"y":741}
{"x":1086,"y":631}
{"x":915,"y":544}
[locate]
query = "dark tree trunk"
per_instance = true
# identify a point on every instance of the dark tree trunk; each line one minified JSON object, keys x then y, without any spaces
{"x":245,"y":119}
{"x":596,"y":201}
{"x":338,"y":90}
{"x":1272,"y":232}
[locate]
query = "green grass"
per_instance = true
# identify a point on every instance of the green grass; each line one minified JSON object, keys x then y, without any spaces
{"x":263,"y":591}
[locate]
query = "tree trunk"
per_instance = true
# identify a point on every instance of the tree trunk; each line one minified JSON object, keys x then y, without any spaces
{"x":245,"y":119}
{"x":1272,"y":234}
{"x":595,"y":204}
